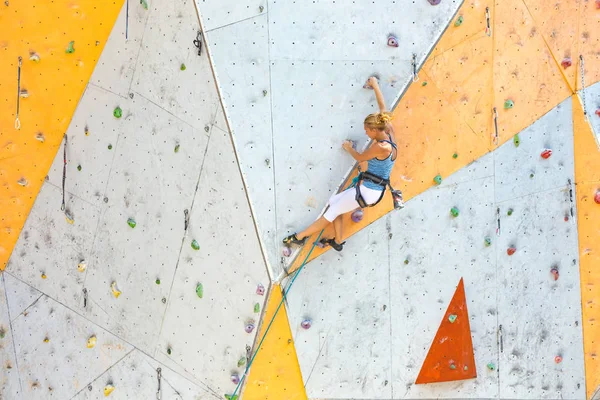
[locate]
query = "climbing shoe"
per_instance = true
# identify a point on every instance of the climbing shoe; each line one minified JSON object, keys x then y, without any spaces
{"x":293,"y":239}
{"x":331,"y":242}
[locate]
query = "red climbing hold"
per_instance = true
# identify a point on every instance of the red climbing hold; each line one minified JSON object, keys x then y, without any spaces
{"x":598,"y":4}
{"x":510,"y":251}
{"x":546,"y":154}
{"x":450,"y":356}
{"x":598,"y":112}
{"x":558,"y":359}
{"x":554,"y":272}
{"x":566,"y":62}
{"x":260,"y":290}
{"x":597,"y":197}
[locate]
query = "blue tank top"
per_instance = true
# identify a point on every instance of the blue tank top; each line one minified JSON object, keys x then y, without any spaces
{"x":381,"y":168}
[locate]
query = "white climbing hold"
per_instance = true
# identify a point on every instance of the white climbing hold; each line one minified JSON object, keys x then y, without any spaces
{"x":22,"y":182}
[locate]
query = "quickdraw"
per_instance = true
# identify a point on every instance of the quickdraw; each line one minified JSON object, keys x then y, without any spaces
{"x":198,"y":42}
{"x":64,"y":177}
{"x":488,"y":28}
{"x":17,"y":122}
{"x":414,"y":68}
{"x":582,"y":73}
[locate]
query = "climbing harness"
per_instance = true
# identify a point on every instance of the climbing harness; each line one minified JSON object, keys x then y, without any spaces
{"x":17,"y":122}
{"x":414,"y":67}
{"x":582,"y":73}
{"x":198,"y":42}
{"x":495,"y":126}
{"x":284,"y":298}
{"x":159,"y":375}
{"x":488,"y":28}
{"x":64,"y":177}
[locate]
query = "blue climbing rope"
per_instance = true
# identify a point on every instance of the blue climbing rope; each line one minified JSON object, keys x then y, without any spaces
{"x":274,"y":315}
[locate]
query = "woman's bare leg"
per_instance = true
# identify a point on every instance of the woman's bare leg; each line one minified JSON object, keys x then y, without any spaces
{"x":316,"y":226}
{"x":338,"y":225}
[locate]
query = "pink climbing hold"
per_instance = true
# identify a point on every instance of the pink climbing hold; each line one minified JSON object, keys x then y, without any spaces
{"x":546,"y":154}
{"x":287,"y":251}
{"x":357,"y":215}
{"x":306,"y":324}
{"x":566,"y":62}
{"x":249,"y":328}
{"x":558,"y":359}
{"x":393,"y":41}
{"x":510,"y":251}
{"x":434,"y":2}
{"x":260,"y":290}
{"x":554,"y":272}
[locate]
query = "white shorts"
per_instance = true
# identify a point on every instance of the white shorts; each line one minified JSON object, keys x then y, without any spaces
{"x":345,"y":201}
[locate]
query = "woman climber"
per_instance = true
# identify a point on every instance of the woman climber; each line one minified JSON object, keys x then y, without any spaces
{"x":369,"y":190}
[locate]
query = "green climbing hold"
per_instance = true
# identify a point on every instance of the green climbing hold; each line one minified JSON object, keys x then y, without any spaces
{"x":195,"y":245}
{"x":454,"y":211}
{"x":406,"y":262}
{"x":131,"y":222}
{"x":231,"y":397}
{"x":2,"y":333}
{"x":508,"y":104}
{"x":455,"y":155}
{"x":144,"y":4}
{"x":491,"y":366}
{"x":452,"y":318}
{"x":452,"y":366}
{"x":118,"y":112}
{"x":459,"y":21}
{"x":256,"y":308}
{"x":177,"y":148}
{"x":437,"y":179}
{"x":71,"y":48}
{"x":509,"y":212}
{"x":424,"y":83}
{"x":531,"y":175}
{"x":169,"y":351}
{"x":182,"y":67}
{"x":488,"y":241}
{"x":241,"y":362}
{"x":158,"y":281}
{"x":200,"y":290}
{"x":516,"y":140}
{"x":79,"y":168}
{"x":110,"y":146}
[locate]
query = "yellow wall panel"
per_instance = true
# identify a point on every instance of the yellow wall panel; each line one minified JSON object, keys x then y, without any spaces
{"x":54,"y":84}
{"x":587,"y":178}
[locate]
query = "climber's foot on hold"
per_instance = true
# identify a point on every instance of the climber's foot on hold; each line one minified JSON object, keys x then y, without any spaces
{"x":331,"y":242}
{"x":293,"y":239}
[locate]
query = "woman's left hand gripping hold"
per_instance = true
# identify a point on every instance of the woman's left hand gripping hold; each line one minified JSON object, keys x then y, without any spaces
{"x":348,"y":145}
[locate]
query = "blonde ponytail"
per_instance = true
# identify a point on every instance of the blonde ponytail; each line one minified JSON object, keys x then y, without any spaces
{"x":378,"y":120}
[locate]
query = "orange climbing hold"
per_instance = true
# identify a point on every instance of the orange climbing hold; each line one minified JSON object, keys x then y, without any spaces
{"x":450,"y":356}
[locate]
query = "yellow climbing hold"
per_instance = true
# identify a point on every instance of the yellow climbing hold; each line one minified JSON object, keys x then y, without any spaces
{"x":116,"y":292}
{"x":44,"y":276}
{"x":91,"y":342}
{"x":69,"y":217}
{"x":81,"y":266}
{"x":108,"y":389}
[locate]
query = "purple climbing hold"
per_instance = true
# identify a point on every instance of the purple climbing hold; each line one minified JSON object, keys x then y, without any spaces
{"x":434,"y":2}
{"x":260,"y":290}
{"x":249,"y":328}
{"x":235,"y":378}
{"x":306,"y":324}
{"x":320,"y":245}
{"x":357,"y":215}
{"x":393,"y":41}
{"x":287,"y":251}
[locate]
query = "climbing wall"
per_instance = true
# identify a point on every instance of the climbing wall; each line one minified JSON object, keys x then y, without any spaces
{"x":291,"y":77}
{"x":157,"y":254}
{"x":376,"y":307}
